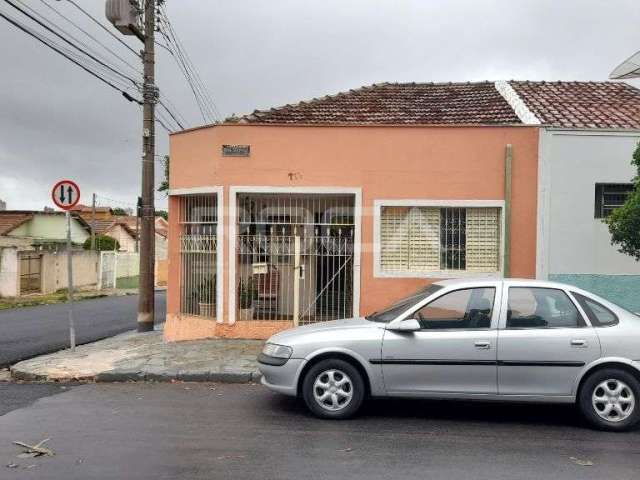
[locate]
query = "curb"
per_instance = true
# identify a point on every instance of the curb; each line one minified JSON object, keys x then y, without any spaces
{"x":120,"y":376}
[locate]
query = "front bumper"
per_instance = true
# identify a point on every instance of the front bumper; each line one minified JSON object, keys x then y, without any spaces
{"x":282,"y":378}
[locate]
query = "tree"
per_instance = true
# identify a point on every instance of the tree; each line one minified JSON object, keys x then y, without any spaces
{"x":121,"y":212}
{"x":162,"y":213}
{"x":164,"y":185}
{"x":103,"y":243}
{"x":624,"y":222}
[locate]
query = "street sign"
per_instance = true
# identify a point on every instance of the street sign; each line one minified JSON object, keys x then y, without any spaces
{"x":65,"y":194}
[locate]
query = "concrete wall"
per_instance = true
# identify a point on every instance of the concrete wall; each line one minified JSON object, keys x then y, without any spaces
{"x":9,"y":277}
{"x":452,"y":163}
{"x":54,"y":270}
{"x":51,"y":227}
{"x":574,"y":246}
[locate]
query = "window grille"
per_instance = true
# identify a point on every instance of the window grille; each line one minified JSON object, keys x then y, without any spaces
{"x":427,"y":239}
{"x":198,"y":247}
{"x":610,"y":196}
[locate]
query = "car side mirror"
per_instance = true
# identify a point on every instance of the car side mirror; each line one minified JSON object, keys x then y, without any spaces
{"x":408,"y":325}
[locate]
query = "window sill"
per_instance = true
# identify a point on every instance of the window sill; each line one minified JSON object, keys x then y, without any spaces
{"x":441,"y":274}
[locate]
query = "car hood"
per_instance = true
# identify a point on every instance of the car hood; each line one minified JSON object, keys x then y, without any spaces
{"x":321,"y":327}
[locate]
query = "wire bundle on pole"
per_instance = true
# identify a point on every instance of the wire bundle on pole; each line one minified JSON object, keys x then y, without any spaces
{"x":99,"y":60}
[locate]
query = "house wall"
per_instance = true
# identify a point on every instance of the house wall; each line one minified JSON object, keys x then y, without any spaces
{"x":448,"y":163}
{"x":574,"y":247}
{"x":51,"y":227}
{"x":127,"y":242}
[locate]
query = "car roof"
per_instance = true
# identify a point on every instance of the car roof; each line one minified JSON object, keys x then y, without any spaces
{"x":480,"y":281}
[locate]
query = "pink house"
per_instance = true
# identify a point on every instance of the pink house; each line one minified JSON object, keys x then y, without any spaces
{"x":335,"y":207}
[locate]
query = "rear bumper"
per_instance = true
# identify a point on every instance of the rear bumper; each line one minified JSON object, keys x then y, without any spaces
{"x":282,"y":378}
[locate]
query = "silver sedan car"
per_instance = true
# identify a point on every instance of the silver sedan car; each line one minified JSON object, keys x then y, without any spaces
{"x":505,"y":340}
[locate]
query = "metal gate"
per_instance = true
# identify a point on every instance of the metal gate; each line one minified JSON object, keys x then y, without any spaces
{"x":107,"y":271}
{"x":30,"y":272}
{"x":295,"y":257}
{"x":119,"y":270}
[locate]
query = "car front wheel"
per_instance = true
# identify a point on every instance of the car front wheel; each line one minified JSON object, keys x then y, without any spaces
{"x":333,"y":388}
{"x":609,"y":400}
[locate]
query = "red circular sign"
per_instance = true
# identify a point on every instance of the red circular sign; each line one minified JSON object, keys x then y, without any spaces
{"x":65,"y":194}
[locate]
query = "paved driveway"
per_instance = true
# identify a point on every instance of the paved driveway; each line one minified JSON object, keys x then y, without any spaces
{"x":207,"y":431}
{"x":29,"y":331}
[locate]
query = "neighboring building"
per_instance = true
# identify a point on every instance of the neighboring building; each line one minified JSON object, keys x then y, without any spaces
{"x":42,"y":227}
{"x":590,"y":130}
{"x":33,"y":252}
{"x":337,"y":206}
{"x":3,"y":205}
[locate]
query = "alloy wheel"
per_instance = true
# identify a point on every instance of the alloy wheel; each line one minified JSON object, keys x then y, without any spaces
{"x":333,"y":390}
{"x":613,"y":400}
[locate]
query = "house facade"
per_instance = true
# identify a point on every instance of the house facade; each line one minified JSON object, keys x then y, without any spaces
{"x":336,"y":207}
{"x":344,"y":204}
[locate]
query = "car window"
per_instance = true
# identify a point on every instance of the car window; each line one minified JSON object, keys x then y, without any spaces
{"x":599,"y":315}
{"x":532,"y":307}
{"x":468,"y":308}
{"x":401,"y":306}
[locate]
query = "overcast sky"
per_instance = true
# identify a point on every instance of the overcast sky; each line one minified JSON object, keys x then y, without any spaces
{"x":57,"y":121}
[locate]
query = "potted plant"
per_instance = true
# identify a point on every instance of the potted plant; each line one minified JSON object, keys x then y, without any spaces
{"x":206,"y":297}
{"x":246,"y":299}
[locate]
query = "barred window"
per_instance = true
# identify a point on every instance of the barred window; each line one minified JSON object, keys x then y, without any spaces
{"x":427,"y":239}
{"x":610,"y":196}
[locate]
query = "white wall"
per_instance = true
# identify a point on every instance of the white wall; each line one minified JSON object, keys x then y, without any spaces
{"x":570,"y":239}
{"x":9,"y":279}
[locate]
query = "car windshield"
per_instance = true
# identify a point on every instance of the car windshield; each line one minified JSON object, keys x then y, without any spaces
{"x":392,"y":312}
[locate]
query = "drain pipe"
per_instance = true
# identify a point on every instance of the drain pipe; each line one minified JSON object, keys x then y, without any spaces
{"x":508,"y":160}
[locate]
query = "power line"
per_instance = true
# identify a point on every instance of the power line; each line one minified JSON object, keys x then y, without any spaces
{"x":102,"y":26}
{"x":203,"y":98}
{"x":70,"y":42}
{"x":55,"y":48}
{"x":107,"y":70}
{"x":92,"y":37}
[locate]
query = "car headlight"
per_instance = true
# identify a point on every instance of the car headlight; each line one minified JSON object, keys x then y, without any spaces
{"x":277,"y":351}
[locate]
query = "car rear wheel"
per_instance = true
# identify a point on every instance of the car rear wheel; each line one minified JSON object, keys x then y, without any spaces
{"x":610,"y":400}
{"x":333,"y":388}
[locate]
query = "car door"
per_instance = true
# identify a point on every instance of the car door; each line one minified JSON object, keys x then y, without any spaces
{"x":455,"y":350}
{"x":543,"y":341}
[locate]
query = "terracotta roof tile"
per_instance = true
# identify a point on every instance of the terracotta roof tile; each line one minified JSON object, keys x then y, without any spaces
{"x":582,"y":104}
{"x":396,"y":104}
{"x":10,"y":220}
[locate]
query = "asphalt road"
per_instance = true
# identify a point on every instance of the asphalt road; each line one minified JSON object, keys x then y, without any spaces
{"x":29,"y":331}
{"x":198,"y":431}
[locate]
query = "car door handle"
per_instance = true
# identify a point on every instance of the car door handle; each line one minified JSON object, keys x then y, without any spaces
{"x":578,"y":342}
{"x":483,"y":345}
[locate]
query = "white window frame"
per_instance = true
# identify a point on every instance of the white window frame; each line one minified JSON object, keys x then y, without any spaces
{"x":377,"y":213}
{"x":234,"y":190}
{"x":219,"y":191}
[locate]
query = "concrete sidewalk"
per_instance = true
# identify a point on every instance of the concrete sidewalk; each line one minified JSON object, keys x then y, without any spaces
{"x":136,"y":356}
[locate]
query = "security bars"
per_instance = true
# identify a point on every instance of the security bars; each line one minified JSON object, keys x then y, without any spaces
{"x":430,"y":239}
{"x":198,"y":243}
{"x":295,"y":257}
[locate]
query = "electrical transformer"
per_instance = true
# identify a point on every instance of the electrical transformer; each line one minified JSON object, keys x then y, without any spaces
{"x":124,"y":15}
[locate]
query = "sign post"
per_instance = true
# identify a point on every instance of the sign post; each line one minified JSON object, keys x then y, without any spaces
{"x":66,"y":194}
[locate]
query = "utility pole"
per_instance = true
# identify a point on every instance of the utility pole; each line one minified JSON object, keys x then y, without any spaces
{"x":147,"y":227}
{"x":124,"y":14}
{"x":93,"y":222}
